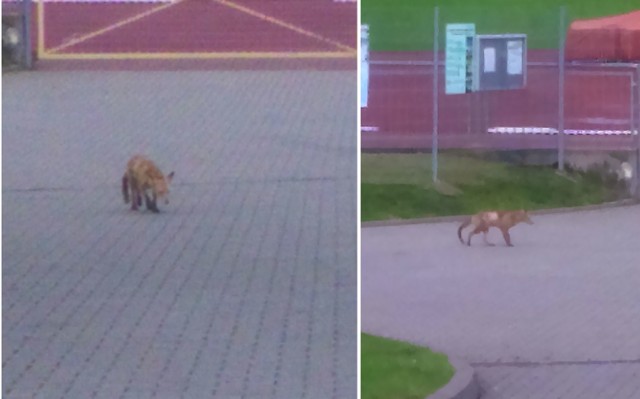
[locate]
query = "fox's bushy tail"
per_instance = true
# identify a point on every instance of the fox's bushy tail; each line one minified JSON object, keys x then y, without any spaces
{"x":462,"y":226}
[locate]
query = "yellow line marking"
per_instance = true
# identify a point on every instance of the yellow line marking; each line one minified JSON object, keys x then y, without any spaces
{"x":284,"y":24}
{"x":200,"y":56}
{"x":40,"y":16}
{"x":111,"y":27}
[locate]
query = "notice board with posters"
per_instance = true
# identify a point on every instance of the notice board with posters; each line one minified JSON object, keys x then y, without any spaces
{"x":499,"y":62}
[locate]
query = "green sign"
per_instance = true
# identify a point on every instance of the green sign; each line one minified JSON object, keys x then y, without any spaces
{"x":458,"y":58}
{"x":364,"y":65}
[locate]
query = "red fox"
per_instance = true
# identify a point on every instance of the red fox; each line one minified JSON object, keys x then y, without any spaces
{"x":504,"y":220}
{"x":143,"y":175}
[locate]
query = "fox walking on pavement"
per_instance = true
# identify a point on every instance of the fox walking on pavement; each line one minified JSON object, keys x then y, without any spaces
{"x":144,"y":178}
{"x":504,"y":220}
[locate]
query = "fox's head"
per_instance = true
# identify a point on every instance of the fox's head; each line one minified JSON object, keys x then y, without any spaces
{"x":523,"y":216}
{"x":162,"y":187}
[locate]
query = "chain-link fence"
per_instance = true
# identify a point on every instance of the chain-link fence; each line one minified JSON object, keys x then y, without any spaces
{"x":572,"y":115}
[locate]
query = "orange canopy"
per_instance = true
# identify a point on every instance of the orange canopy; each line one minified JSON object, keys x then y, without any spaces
{"x":615,"y":38}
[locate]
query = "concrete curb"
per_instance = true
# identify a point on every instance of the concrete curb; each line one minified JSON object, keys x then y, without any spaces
{"x":457,"y":218}
{"x":463,"y":384}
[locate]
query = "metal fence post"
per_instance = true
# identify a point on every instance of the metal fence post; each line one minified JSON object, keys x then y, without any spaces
{"x":434,"y":147}
{"x":636,"y":115}
{"x":561,"y":67}
{"x":27,"y":17}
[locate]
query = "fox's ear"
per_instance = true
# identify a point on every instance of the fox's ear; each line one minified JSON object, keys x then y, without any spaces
{"x":170,"y":176}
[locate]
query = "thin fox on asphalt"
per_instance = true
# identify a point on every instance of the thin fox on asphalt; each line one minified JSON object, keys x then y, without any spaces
{"x":504,"y":220}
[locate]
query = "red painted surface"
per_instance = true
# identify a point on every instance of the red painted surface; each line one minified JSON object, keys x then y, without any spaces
{"x":401,"y":107}
{"x":333,"y":20}
{"x":200,"y":26}
{"x":189,"y":26}
{"x":65,"y":21}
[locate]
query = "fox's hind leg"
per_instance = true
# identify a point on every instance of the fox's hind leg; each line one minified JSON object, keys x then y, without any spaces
{"x":472,"y":233}
{"x":482,"y":228}
{"x":125,"y":188}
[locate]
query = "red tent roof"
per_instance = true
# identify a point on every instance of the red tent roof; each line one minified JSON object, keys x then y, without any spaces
{"x":614,"y":38}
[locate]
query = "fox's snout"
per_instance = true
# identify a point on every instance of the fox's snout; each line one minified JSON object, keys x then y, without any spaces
{"x":163,"y":197}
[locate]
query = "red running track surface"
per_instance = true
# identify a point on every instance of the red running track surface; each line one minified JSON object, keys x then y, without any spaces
{"x":400,"y":107}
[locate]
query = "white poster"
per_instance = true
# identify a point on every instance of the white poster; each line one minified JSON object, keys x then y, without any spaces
{"x":489,"y":59}
{"x":514,"y":57}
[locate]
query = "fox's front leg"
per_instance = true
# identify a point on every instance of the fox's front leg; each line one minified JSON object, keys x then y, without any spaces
{"x":507,"y":237}
{"x":151,"y":202}
{"x":135,"y":194}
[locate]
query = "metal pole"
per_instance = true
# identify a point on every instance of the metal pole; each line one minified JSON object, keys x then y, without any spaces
{"x":434,"y":147}
{"x":26,"y":33}
{"x":637,"y":129}
{"x":561,"y":52}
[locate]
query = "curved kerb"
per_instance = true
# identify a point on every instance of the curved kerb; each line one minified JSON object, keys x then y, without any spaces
{"x":458,"y":218}
{"x":463,"y":384}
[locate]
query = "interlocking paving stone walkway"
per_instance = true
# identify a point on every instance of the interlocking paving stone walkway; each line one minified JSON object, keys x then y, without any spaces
{"x":556,"y":316}
{"x":244,"y":286}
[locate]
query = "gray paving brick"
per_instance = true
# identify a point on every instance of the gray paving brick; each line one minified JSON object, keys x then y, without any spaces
{"x":566,"y":381}
{"x":231,"y":291}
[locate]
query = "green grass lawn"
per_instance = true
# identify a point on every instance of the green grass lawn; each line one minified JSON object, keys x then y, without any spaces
{"x":399,"y":186}
{"x":407,"y":25}
{"x":397,"y":370}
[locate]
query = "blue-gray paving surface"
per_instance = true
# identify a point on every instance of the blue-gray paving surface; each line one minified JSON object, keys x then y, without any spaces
{"x":244,"y":286}
{"x":556,"y":316}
